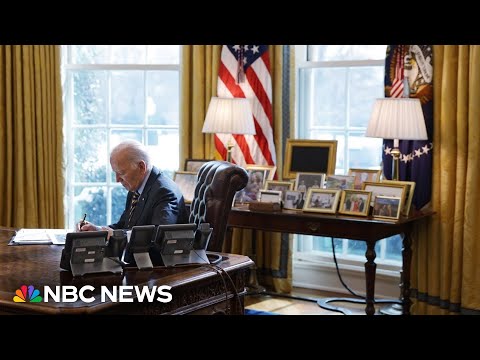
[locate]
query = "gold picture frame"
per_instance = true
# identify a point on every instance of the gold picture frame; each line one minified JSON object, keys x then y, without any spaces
{"x":269,"y":170}
{"x":355,"y":202}
{"x":362,"y":175}
{"x":387,"y":207}
{"x":322,"y":200}
{"x":194,"y":164}
{"x":384,"y":189}
{"x":282,"y":186}
{"x":309,"y":156}
{"x":409,"y":191}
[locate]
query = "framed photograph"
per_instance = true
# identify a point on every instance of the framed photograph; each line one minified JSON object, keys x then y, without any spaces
{"x":271,"y":196}
{"x":387,"y":207}
{"x":362,"y":175}
{"x":341,"y":182}
{"x":256,"y":182}
{"x":294,"y":200}
{"x":306,"y":181}
{"x":282,"y":186}
{"x":355,"y":202}
{"x":384,"y":189}
{"x":309,"y":156}
{"x":409,"y":190}
{"x":194,"y":164}
{"x":322,"y":200}
{"x":186,"y":182}
{"x":269,"y":170}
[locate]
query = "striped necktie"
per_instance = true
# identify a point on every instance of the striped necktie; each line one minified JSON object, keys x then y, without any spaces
{"x":133,"y":204}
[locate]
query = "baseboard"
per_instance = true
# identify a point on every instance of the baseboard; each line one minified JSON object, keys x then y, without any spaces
{"x":324,"y":277}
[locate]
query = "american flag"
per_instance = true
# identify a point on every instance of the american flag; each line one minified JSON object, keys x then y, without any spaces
{"x":416,"y":82}
{"x":245,"y":72}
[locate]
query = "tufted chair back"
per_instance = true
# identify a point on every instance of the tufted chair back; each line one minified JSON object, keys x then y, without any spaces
{"x":217,"y":183}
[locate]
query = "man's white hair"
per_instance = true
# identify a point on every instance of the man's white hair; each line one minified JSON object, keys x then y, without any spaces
{"x":134,"y":152}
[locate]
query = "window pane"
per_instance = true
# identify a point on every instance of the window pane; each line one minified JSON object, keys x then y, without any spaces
{"x":364,"y":152}
{"x":128,"y":54}
{"x":163,"y":97}
{"x":90,"y":200}
{"x":89,"y":54}
{"x":163,"y":54}
{"x":119,"y":197}
{"x":90,"y":162}
{"x":394,"y":248}
{"x":163,"y":145}
{"x":89,"y":91}
{"x":346,"y":52}
{"x":128,"y":97}
{"x":358,"y":247}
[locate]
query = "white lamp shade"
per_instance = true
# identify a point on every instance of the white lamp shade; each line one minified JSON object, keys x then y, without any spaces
{"x":229,"y":116}
{"x":397,"y":118}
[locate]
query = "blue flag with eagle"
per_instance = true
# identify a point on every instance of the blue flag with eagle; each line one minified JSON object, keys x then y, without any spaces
{"x":409,"y":73}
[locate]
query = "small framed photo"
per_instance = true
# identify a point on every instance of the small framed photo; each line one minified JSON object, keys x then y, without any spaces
{"x":256,"y":182}
{"x":271,"y":196}
{"x":384,"y":189}
{"x":309,"y":156}
{"x":194,"y":164}
{"x":294,"y":200}
{"x":269,"y":170}
{"x":409,"y":190}
{"x":306,"y":181}
{"x":341,"y":182}
{"x":362,"y":175}
{"x":322,"y":200}
{"x":186,"y":181}
{"x":282,"y":186}
{"x":355,"y":202}
{"x":387,"y":207}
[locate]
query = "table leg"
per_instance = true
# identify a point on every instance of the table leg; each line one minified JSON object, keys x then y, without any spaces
{"x":370,"y":269}
{"x":405,"y":278}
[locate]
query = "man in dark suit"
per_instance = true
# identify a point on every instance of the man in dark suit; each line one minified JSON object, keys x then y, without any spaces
{"x":153,"y":198}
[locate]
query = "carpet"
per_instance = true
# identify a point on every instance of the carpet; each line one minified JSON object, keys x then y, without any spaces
{"x":258,"y":312}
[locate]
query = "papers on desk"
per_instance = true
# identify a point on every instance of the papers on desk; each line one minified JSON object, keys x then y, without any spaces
{"x":39,"y":237}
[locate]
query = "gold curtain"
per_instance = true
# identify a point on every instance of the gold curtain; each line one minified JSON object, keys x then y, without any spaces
{"x":31,"y":137}
{"x":199,"y":83}
{"x":445,"y":271}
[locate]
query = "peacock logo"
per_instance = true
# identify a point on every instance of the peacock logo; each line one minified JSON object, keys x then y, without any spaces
{"x":27,"y":294}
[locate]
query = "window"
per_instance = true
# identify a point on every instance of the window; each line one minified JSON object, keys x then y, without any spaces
{"x":113,"y":93}
{"x":337,"y":86}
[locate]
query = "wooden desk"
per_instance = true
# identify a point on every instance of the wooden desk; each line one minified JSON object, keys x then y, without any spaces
{"x":347,"y":227}
{"x":195,"y":290}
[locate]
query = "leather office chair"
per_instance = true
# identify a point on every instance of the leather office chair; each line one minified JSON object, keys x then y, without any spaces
{"x":216,"y":185}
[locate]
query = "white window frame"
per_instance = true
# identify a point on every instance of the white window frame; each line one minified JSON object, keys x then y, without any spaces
{"x":315,"y":269}
{"x":70,"y":184}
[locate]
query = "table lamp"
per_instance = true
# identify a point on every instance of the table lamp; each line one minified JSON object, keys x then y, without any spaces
{"x":229,"y":116}
{"x":397,"y":119}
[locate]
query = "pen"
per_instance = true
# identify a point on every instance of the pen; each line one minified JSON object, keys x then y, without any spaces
{"x":83,"y":221}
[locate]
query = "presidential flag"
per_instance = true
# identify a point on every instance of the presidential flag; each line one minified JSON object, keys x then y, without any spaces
{"x":409,"y":73}
{"x":245,"y":72}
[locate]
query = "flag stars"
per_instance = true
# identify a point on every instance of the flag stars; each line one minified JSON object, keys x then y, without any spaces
{"x":387,"y":150}
{"x":418,"y":152}
{"x":245,"y":47}
{"x":236,"y":47}
{"x":425,"y":149}
{"x":255,"y":49}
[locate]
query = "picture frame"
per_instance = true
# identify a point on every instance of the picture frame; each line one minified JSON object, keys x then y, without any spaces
{"x":305,"y":181}
{"x":409,"y":191}
{"x":355,"y":202}
{"x":273,"y":196}
{"x":362,"y":175}
{"x":294,"y":200}
{"x":256,"y":181}
{"x":341,"y":182}
{"x":322,"y":201}
{"x":384,"y":189}
{"x":194,"y":164}
{"x":299,"y":155}
{"x":186,"y":181}
{"x":282,"y":186}
{"x":270,"y":170}
{"x":387,"y":207}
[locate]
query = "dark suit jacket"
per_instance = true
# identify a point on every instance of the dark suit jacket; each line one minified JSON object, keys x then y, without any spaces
{"x":160,"y":203}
